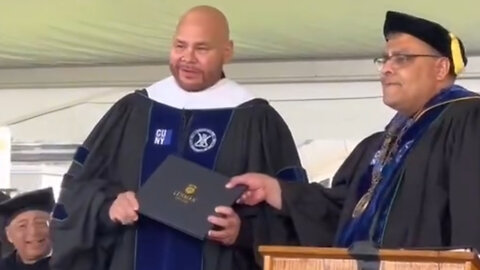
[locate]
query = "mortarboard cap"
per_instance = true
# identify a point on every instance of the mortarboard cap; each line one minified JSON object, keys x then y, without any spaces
{"x":41,"y":199}
{"x":429,"y":32}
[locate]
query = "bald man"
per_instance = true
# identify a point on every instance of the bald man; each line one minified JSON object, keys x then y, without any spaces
{"x":196,"y":114}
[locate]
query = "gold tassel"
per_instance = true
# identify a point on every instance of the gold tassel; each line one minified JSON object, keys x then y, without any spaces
{"x":458,"y":64}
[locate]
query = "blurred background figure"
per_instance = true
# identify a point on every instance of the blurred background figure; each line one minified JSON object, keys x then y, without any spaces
{"x":26,"y":220}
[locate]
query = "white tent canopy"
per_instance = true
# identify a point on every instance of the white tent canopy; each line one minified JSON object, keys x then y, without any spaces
{"x":107,"y":32}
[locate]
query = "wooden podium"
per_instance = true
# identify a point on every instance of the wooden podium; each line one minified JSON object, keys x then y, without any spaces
{"x":309,"y":258}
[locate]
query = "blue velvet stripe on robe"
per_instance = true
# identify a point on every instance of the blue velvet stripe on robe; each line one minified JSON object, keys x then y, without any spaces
{"x":174,"y":131}
{"x":370,"y":225}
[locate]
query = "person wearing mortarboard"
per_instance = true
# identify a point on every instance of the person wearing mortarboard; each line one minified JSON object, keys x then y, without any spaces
{"x":417,"y":183}
{"x":26,"y":220}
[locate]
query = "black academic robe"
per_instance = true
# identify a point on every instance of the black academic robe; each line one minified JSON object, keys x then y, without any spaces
{"x":12,"y":262}
{"x":113,"y":160}
{"x":437,"y":201}
{"x":5,"y":246}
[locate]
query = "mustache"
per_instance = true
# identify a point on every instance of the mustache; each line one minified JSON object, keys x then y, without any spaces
{"x":187,"y":67}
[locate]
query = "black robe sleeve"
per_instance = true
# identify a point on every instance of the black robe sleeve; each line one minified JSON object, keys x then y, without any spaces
{"x":464,"y":177}
{"x":279,"y":148}
{"x":258,"y":140}
{"x":267,"y":147}
{"x":81,"y":227}
{"x":315,"y":210}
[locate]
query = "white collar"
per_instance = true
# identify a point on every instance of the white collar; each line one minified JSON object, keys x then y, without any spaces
{"x":224,"y":94}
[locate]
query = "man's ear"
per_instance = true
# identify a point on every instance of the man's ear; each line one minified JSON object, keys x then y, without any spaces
{"x":443,"y":68}
{"x":8,"y":234}
{"x":228,"y":53}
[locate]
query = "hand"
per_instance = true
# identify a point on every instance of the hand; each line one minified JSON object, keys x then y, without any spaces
{"x":124,"y":208}
{"x":229,"y":221}
{"x":261,"y":188}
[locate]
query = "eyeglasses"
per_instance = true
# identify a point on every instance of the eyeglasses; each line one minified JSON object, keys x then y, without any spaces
{"x":399,"y":60}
